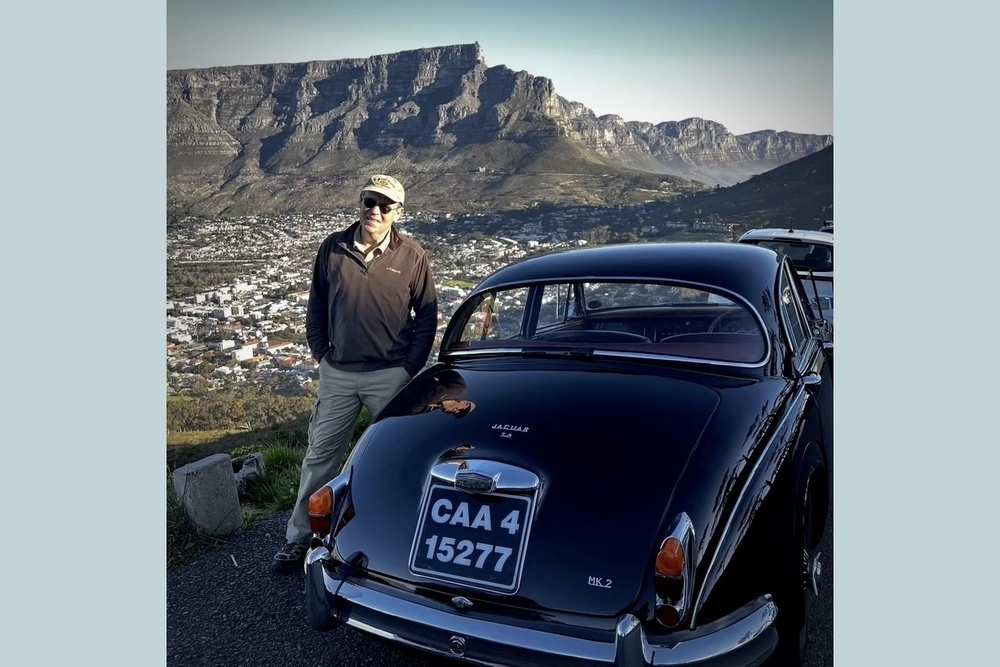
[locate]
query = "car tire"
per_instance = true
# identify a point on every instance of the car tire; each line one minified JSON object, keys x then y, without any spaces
{"x":795,"y":572}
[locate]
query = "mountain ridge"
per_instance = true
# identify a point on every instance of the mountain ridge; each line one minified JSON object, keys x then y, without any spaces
{"x":797,"y":194}
{"x":298,"y":136}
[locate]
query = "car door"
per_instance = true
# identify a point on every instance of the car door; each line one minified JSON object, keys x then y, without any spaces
{"x":811,"y":360}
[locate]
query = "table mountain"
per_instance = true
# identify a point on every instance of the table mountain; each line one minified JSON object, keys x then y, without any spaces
{"x":457,"y":132}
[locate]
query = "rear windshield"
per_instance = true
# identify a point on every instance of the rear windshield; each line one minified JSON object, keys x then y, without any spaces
{"x":619,"y":317}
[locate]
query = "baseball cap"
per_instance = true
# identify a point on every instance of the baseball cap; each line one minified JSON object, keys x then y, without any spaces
{"x":385,"y":185}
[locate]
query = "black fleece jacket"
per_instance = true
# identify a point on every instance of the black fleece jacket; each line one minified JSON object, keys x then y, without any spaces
{"x":369,"y":317}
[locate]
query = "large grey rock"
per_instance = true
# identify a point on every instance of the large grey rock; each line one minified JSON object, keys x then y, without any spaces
{"x":207,"y":490}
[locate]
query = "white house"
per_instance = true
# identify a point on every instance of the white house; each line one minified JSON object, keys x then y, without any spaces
{"x":244,"y":353}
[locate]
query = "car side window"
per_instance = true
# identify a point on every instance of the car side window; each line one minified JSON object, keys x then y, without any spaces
{"x":815,"y":305}
{"x":791,"y":312}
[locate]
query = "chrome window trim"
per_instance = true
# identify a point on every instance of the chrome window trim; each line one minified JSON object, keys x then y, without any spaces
{"x":783,"y":282}
{"x":732,"y":296}
{"x":632,"y":356}
{"x":802,"y":352}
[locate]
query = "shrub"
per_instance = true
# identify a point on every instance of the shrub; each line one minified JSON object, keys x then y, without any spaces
{"x":276,"y":489}
{"x":282,"y":459}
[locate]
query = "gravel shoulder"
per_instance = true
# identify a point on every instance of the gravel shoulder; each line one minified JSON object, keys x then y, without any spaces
{"x":224,"y":607}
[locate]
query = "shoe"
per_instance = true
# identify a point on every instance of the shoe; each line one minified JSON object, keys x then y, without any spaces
{"x":289,"y":557}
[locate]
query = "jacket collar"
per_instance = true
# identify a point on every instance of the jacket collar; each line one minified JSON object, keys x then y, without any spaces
{"x":346,"y":238}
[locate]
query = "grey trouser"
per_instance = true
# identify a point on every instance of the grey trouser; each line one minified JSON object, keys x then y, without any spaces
{"x":331,"y":425}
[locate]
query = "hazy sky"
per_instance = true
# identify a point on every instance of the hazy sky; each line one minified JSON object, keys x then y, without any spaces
{"x":748,"y":64}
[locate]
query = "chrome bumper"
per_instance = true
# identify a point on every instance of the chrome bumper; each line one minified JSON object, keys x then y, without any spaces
{"x":744,"y":638}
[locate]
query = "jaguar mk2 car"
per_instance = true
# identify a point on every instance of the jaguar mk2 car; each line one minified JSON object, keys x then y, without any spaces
{"x":621,"y":457}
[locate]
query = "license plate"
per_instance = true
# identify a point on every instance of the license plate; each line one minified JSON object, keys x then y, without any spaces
{"x":477,"y":540}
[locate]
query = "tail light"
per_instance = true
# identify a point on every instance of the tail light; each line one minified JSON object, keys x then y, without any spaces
{"x":327,"y":503}
{"x":321,"y":510}
{"x":674,"y":573}
{"x":670,"y":558}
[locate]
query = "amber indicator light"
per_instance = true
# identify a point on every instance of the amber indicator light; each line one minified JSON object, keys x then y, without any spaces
{"x":321,"y":510}
{"x":670,"y":558}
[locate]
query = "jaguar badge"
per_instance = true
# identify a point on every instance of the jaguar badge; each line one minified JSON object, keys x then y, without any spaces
{"x":475,"y":481}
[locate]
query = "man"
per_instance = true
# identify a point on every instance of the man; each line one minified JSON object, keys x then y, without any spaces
{"x":370,"y":324}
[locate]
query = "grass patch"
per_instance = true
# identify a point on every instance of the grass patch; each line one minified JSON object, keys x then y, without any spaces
{"x":282,"y":450}
{"x":200,"y":444}
{"x":276,"y":490}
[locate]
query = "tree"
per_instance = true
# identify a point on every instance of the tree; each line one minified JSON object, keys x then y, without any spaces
{"x":204,"y":369}
{"x":598,"y":235}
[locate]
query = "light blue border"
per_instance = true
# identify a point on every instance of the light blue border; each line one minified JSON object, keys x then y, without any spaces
{"x":915,"y":126}
{"x":915,"y":177}
{"x":83,"y":118}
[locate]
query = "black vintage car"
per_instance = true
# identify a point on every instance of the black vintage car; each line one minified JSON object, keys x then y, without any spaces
{"x":621,"y":457}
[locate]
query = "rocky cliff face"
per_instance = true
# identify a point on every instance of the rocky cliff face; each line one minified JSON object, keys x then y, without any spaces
{"x":295,"y":136}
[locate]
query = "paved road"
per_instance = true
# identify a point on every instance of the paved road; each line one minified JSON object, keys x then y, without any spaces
{"x":224,"y":608}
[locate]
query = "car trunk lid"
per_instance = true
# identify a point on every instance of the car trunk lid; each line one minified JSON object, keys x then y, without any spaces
{"x":587,"y":462}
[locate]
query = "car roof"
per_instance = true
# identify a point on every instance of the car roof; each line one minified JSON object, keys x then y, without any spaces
{"x":787,"y":234}
{"x":747,"y":270}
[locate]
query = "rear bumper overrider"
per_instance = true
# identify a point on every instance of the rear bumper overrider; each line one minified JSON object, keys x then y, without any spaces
{"x":744,"y":638}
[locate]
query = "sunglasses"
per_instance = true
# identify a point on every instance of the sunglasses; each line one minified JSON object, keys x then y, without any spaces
{"x":371,"y":202}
